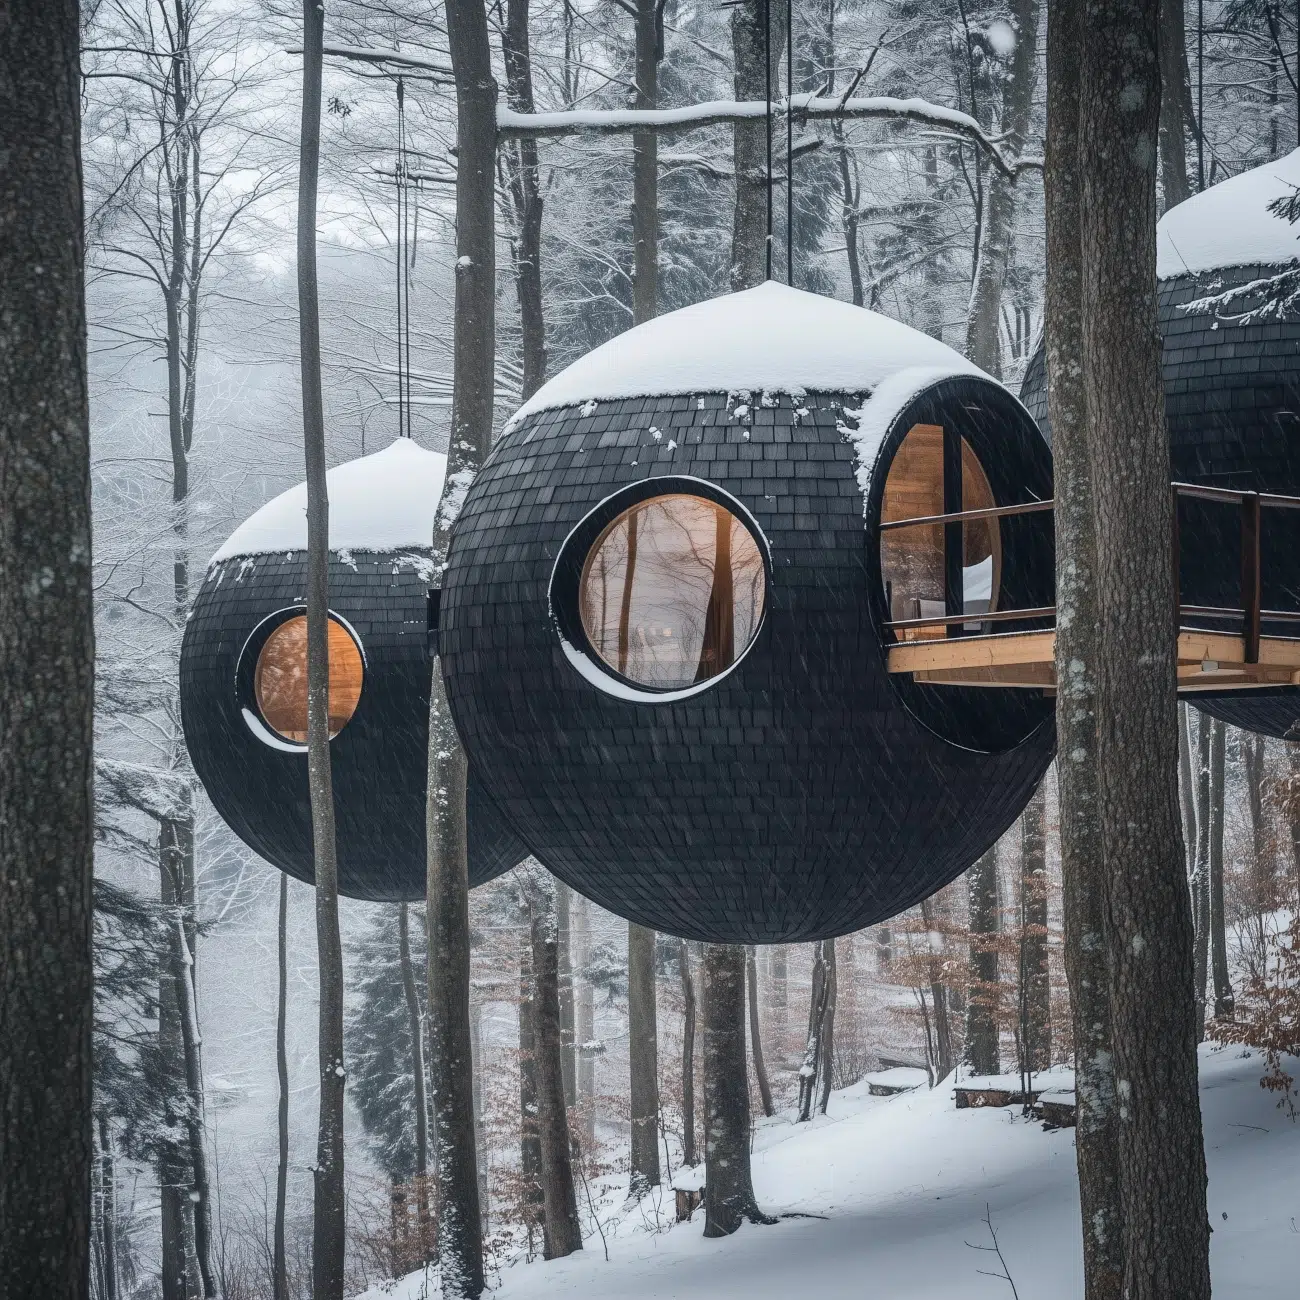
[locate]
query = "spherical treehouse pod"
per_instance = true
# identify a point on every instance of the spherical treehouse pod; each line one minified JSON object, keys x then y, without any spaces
{"x":663,"y":634}
{"x":243,"y":681}
{"x":1232,"y":404}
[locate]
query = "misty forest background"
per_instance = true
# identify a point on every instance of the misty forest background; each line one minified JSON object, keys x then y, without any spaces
{"x":190,"y":146}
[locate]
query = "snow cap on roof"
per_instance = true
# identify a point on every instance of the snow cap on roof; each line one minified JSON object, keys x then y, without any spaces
{"x":770,"y":339}
{"x":382,"y":502}
{"x":1230,"y":223}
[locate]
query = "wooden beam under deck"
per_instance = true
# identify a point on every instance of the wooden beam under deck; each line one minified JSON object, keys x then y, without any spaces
{"x":1207,"y":661}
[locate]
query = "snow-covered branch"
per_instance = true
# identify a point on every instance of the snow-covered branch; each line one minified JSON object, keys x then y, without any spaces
{"x":154,"y":791}
{"x":398,"y":58}
{"x":806,"y":108}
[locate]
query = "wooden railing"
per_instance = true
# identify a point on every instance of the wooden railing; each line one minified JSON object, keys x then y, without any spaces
{"x":1250,"y":612}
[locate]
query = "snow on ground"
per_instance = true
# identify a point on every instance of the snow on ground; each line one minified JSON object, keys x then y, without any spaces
{"x":381,"y":502}
{"x":901,"y":1185}
{"x":1230,"y":224}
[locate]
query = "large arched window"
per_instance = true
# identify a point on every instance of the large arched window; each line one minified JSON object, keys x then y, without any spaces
{"x":672,"y":591}
{"x":913,"y":560}
{"x":280,"y":679}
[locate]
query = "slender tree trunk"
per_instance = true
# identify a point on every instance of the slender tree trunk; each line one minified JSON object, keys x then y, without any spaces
{"x":982,"y":1054}
{"x":460,"y":1231}
{"x":279,"y":1266}
{"x":1224,"y":1002}
{"x":480,"y":1107}
{"x":328,"y":1219}
{"x":416,"y":1027}
{"x":530,"y":1141}
{"x":1148,"y":923}
{"x":729,"y":1188}
{"x":749,"y":250}
{"x":585,"y":1029}
{"x":108,"y":1207}
{"x":559,"y":1200}
{"x":779,"y":1005}
{"x":645,"y":165}
{"x":1036,"y":992}
{"x":526,"y":195}
{"x":945,"y":1061}
{"x":1173,"y":99}
{"x":1077,"y":654}
{"x":1200,"y":882}
{"x":179,"y":1257}
{"x":827,"y":1067}
{"x":998,"y":227}
{"x":563,"y":916}
{"x":756,"y":1032}
{"x":643,"y":1059}
{"x":1186,"y":786}
{"x":689,"y":1156}
{"x":813,"y":1043}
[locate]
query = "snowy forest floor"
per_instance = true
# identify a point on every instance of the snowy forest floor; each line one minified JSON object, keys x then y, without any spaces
{"x":901,"y":1187}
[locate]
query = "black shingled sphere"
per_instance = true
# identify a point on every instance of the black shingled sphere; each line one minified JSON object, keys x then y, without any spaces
{"x":378,"y":759}
{"x":805,"y":794}
{"x":1232,"y":403}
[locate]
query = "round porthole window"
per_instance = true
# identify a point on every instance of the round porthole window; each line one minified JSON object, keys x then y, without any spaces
{"x":672,"y":591}
{"x":279,"y":685}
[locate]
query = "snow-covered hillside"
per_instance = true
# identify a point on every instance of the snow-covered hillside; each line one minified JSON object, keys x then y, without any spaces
{"x":899,"y":1188}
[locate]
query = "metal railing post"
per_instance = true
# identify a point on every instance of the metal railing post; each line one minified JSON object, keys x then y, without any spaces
{"x":1250,"y":578}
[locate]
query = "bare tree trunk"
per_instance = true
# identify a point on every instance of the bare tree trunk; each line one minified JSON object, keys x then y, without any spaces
{"x":827,"y":1066}
{"x":689,"y":1156}
{"x":729,"y":1188}
{"x":460,"y":1230}
{"x":416,"y":1026}
{"x":998,"y":228}
{"x":1077,"y":658}
{"x":1200,"y":881}
{"x":180,"y":1275}
{"x":1036,"y":991}
{"x":1224,"y":1002}
{"x":749,"y":243}
{"x":645,"y":165}
{"x":643,"y":1059}
{"x":563,"y":918}
{"x":530,"y":1141}
{"x":813,"y":1042}
{"x":945,"y":1061}
{"x":1173,"y":100}
{"x":1148,"y":923}
{"x":108,"y":1207}
{"x":756,"y":1032}
{"x":982,"y":1055}
{"x":279,"y":1267}
{"x":328,"y":1219}
{"x":559,"y":1200}
{"x":526,"y":195}
{"x":1186,"y":786}
{"x":585,"y":1030}
{"x":480,"y":1106}
{"x":779,"y":1005}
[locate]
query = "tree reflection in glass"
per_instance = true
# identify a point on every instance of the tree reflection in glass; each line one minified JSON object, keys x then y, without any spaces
{"x":280,"y":679}
{"x":672,"y":592}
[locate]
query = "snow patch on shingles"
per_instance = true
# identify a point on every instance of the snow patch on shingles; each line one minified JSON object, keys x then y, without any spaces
{"x":382,"y":502}
{"x":876,"y":416}
{"x":769,"y":340}
{"x":1230,"y":223}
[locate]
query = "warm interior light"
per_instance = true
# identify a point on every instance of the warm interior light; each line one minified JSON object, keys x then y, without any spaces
{"x":912,"y":559}
{"x":280,"y":680}
{"x":672,"y":592}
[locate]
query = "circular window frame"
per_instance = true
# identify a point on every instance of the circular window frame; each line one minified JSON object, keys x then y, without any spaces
{"x":246,"y":677}
{"x":563,"y":590}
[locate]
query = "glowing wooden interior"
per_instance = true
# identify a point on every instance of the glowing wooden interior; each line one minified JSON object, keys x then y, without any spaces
{"x":280,"y":680}
{"x":912,"y":559}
